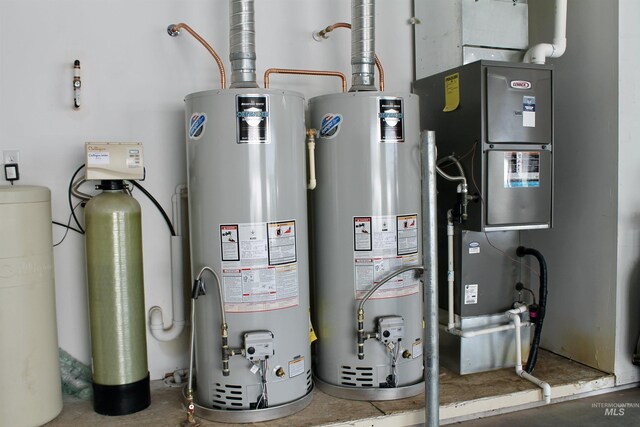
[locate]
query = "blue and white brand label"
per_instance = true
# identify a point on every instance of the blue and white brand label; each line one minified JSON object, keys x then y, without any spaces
{"x":252,"y":116}
{"x":474,"y":248}
{"x":196,"y":125}
{"x":391,"y":120}
{"x":330,"y":125}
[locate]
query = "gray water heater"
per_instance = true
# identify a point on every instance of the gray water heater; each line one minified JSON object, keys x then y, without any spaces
{"x":498,"y":117}
{"x":248,"y":219}
{"x":367,"y":221}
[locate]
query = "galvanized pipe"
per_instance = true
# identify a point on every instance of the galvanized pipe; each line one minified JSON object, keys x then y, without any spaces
{"x":242,"y":43}
{"x":363,"y":45}
{"x":430,"y":262}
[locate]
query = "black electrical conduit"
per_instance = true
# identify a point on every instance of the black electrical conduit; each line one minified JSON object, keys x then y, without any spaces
{"x":542,"y":304}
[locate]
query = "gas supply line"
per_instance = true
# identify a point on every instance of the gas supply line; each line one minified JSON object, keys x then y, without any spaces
{"x":362,"y":335}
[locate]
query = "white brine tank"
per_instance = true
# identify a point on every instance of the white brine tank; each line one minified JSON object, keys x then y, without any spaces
{"x":367,"y":228}
{"x":31,"y":394}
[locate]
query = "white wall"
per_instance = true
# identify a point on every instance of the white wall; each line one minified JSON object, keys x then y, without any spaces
{"x":134,"y":78}
{"x":581,"y":248}
{"x":628,"y":294}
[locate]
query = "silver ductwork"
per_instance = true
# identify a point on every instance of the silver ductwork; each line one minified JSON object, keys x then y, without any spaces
{"x":363,"y":45}
{"x":242,"y":43}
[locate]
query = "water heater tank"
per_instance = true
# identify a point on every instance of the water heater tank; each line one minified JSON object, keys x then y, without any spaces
{"x":31,"y":393}
{"x":248,"y":222}
{"x":366,"y":226}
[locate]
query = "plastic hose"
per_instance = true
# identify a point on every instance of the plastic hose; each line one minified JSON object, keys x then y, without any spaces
{"x":542,"y":302}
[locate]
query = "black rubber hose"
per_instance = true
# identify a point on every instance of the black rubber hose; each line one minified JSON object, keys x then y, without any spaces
{"x":157,"y":205}
{"x":542,"y":303}
{"x":73,"y":212}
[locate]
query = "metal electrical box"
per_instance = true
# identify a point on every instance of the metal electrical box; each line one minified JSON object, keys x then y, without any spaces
{"x":498,"y":118}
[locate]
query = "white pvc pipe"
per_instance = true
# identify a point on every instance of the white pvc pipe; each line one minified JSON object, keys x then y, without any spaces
{"x":176,"y":205}
{"x":311,"y":146}
{"x":450,"y":272}
{"x":514,"y":316}
{"x":156,"y":322}
{"x":156,"y":319}
{"x":540,"y":52}
{"x":470,"y":333}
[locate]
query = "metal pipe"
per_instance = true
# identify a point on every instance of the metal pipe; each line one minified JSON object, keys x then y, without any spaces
{"x":242,"y":43}
{"x":323,"y":34}
{"x":270,"y":71}
{"x":362,"y":44}
{"x":360,"y":317}
{"x":191,"y":407}
{"x":430,"y":261}
{"x":224,"y":328}
{"x":174,"y":30}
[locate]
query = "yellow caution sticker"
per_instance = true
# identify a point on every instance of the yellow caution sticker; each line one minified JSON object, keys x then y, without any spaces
{"x":312,"y":333}
{"x":451,"y":92}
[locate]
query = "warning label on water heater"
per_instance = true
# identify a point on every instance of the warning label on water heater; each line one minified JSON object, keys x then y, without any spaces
{"x":382,"y":245}
{"x":252,"y":116}
{"x":391,"y":120}
{"x":259,"y":266}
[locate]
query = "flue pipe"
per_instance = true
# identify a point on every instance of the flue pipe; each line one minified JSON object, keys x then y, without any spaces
{"x":242,"y":43}
{"x":363,"y":45}
{"x":540,"y":52}
{"x":324,"y":34}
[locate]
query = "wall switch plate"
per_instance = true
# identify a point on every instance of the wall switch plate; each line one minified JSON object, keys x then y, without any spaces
{"x":11,"y":156}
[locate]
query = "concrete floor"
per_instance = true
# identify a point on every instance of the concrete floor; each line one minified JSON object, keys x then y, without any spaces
{"x":461,"y":397}
{"x":620,"y":408}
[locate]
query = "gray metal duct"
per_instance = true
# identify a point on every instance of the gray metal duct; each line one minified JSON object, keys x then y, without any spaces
{"x":242,"y":43}
{"x":363,"y":44}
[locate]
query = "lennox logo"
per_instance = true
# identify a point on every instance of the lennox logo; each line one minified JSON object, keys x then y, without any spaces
{"x":520,"y":84}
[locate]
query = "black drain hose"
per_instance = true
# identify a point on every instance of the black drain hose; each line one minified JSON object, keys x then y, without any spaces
{"x":542,"y":305}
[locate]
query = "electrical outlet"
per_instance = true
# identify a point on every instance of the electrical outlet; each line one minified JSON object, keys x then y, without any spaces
{"x":11,"y":156}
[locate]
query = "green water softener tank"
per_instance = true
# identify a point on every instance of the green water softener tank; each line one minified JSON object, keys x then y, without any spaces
{"x":116,"y":301}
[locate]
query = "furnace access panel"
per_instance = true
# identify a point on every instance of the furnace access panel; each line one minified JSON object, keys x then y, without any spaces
{"x":498,"y":118}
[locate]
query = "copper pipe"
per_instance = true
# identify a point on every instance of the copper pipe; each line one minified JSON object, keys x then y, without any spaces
{"x":174,"y":30}
{"x":305,"y":73}
{"x":330,"y":28}
{"x":323,"y":34}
